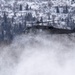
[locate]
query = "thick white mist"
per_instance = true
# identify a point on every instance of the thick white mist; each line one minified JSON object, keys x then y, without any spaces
{"x":41,"y":54}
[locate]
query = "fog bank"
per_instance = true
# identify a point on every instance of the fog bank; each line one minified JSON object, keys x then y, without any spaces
{"x":40,"y":54}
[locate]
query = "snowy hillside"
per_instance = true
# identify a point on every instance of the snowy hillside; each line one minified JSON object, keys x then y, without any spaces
{"x":46,"y":8}
{"x":16,"y":15}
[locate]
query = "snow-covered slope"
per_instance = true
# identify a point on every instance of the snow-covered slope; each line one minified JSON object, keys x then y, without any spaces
{"x":39,"y":8}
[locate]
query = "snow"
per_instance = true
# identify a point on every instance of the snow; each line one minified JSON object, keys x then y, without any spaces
{"x":73,"y":5}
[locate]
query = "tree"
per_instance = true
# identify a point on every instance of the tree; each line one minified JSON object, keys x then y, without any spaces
{"x":57,"y":9}
{"x":6,"y":28}
{"x":12,"y":20}
{"x":5,"y":17}
{"x":5,"y":21}
{"x":65,"y":10}
{"x":29,"y":17}
{"x":50,"y":4}
{"x":41,"y":20}
{"x":49,"y":7}
{"x":27,"y":7}
{"x":48,"y":16}
{"x":20,"y":29}
{"x":53,"y":19}
{"x":21,"y":7}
